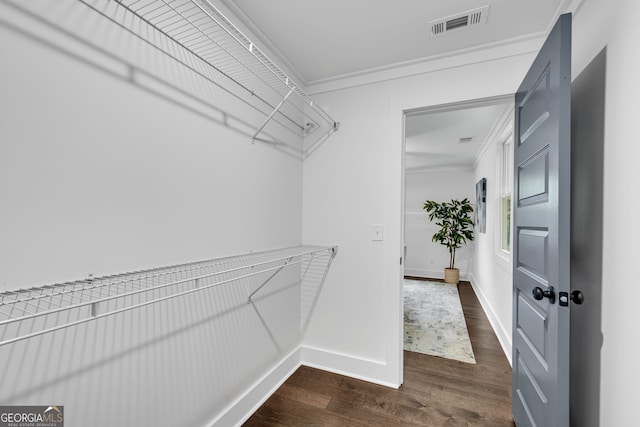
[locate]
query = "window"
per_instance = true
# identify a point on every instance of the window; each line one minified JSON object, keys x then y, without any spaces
{"x":506,"y":185}
{"x":505,"y":234}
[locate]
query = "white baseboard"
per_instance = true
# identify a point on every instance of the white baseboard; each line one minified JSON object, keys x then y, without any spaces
{"x":243,"y":407}
{"x":372,"y":371}
{"x":240,"y":410}
{"x":503,"y":334}
{"x":432,"y":274}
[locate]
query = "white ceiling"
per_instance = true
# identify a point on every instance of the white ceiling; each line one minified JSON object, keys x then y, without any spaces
{"x":321,"y":40}
{"x":329,"y":40}
{"x":432,"y":138}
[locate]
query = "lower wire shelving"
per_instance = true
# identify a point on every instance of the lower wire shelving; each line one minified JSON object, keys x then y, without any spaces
{"x":27,"y":313}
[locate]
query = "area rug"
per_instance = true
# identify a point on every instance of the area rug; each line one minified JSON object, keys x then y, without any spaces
{"x":434,"y":322}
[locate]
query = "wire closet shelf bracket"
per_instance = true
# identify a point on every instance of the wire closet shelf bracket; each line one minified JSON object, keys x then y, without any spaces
{"x":201,"y":29}
{"x":27,"y":313}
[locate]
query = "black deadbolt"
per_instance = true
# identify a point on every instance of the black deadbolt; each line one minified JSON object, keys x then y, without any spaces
{"x":576,"y":296}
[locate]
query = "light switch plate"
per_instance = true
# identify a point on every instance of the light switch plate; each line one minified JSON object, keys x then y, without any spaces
{"x":377,"y":232}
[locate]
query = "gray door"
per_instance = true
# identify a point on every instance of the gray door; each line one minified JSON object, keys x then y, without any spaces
{"x":541,"y":257}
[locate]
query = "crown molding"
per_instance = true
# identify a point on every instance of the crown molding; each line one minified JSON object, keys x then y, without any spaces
{"x":499,"y":130}
{"x":505,"y":49}
{"x":514,"y":47}
{"x":566,"y":6}
{"x":438,"y":169}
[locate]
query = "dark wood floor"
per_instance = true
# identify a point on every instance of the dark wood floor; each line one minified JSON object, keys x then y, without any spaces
{"x":436,"y":391}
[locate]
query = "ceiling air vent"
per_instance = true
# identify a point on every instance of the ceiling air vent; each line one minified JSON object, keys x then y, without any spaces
{"x":461,"y":20}
{"x":465,"y":139}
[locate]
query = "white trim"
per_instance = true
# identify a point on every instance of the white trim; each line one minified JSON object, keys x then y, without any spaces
{"x":503,"y":259}
{"x":438,"y":169}
{"x":566,"y":6}
{"x":574,"y":7}
{"x":503,"y":137}
{"x":516,"y":46}
{"x":460,"y":105}
{"x":509,"y":49}
{"x":498,"y":130}
{"x":503,"y":334}
{"x":345,"y":364}
{"x":244,"y":406}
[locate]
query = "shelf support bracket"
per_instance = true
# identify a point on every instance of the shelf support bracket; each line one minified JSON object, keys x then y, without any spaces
{"x":275,"y":110}
{"x":268,"y":280}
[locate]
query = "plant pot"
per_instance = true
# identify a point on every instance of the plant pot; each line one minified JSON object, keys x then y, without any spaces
{"x":451,"y":275}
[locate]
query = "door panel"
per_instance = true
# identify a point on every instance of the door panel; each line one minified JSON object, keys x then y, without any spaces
{"x":533,"y":252}
{"x":534,"y":111}
{"x":533,"y":179}
{"x":541,"y":235}
{"x":532,"y":323}
{"x":530,"y":392}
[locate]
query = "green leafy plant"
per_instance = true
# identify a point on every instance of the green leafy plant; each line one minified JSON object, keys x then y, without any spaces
{"x":454,"y":220}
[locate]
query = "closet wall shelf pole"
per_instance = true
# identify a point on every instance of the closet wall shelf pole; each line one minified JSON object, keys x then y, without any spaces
{"x":84,"y":301}
{"x":275,"y":110}
{"x":334,"y":252}
{"x":269,"y":279}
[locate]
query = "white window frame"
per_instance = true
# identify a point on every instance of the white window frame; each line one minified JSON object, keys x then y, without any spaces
{"x":504,"y":186}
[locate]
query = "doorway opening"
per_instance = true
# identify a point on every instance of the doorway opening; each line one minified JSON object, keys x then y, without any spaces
{"x":448,"y":149}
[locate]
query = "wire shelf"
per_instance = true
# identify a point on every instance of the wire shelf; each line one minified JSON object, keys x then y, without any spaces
{"x":202,"y":30}
{"x":27,"y":313}
{"x":189,"y":52}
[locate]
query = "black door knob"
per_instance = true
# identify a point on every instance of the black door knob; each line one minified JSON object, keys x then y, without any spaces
{"x":577,"y":297}
{"x":538,"y":294}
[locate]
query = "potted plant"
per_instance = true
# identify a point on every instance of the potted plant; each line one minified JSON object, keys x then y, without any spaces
{"x":456,"y":229}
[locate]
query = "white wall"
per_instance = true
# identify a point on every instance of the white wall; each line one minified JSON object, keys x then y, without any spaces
{"x":93,"y":166}
{"x":100,"y":175}
{"x":425,"y":258}
{"x":339,"y":205}
{"x":610,"y":24}
{"x":492,"y":276}
{"x":355,"y":180}
{"x":345,"y":189}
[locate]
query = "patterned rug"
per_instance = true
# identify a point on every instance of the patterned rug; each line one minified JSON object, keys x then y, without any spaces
{"x":434,"y":322}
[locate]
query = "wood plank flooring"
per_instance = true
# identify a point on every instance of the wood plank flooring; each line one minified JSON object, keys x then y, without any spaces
{"x":436,"y":391}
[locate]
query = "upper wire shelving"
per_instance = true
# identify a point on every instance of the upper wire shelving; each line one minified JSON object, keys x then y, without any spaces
{"x":204,"y":31}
